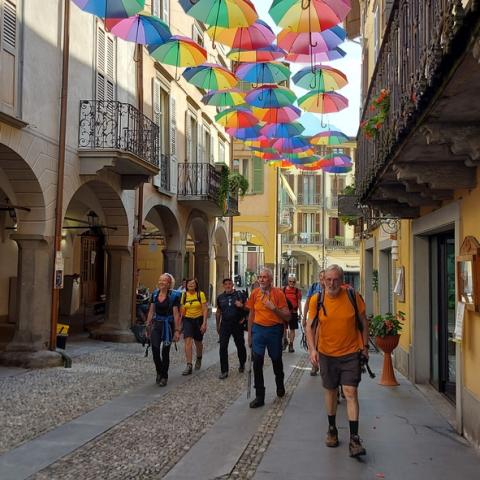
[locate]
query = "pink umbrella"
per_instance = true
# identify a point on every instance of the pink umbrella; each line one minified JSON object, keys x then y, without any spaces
{"x":277,"y":115}
{"x":302,"y":43}
{"x":317,"y":57}
{"x":144,"y":29}
{"x":257,"y":35}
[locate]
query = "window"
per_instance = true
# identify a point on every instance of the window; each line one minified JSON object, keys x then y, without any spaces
{"x":376,"y":32}
{"x":8,"y":55}
{"x":161,"y":9}
{"x":105,"y":65}
{"x":252,"y":170}
{"x":221,"y":152}
{"x":191,"y":138}
{"x":161,"y":115}
{"x":197,"y":35}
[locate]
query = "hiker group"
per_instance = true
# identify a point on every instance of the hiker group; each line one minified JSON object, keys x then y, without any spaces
{"x":334,"y":326}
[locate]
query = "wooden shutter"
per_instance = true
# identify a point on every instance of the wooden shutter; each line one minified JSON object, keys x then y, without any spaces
{"x":212,"y":149}
{"x":188,"y":138}
{"x":110,"y":80}
{"x":318,"y":223}
{"x":105,"y":81}
{"x":300,"y":225}
{"x":166,"y":11}
{"x":301,"y":180}
{"x":101,"y":73}
{"x":258,"y":175}
{"x":173,"y":145}
{"x":333,"y":227}
{"x":157,"y":112}
{"x":318,"y":186}
{"x":8,"y":56}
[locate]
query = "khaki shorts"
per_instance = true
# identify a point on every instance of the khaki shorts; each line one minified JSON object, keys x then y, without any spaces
{"x":344,"y":370}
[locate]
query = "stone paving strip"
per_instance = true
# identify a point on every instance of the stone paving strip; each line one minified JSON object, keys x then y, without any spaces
{"x":149,"y":443}
{"x":37,"y":401}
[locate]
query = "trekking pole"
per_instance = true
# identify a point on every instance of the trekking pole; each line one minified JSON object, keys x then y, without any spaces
{"x":249,"y":374}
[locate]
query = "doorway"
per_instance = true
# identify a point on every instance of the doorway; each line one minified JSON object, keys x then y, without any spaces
{"x":92,"y":267}
{"x":442,"y":320}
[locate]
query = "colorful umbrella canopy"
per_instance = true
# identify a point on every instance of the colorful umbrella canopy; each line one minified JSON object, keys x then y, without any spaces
{"x":279,"y":164}
{"x":143,"y":28}
{"x":282,"y":130}
{"x":250,"y":133}
{"x":231,"y":97}
{"x":221,"y":13}
{"x":267,"y":155}
{"x":263,"y":150}
{"x":257,"y":35}
{"x":310,"y":168}
{"x":304,"y":160}
{"x":315,"y":58}
{"x":236,"y":117}
{"x":329,"y":137}
{"x":292,"y":144}
{"x":277,"y":115}
{"x":337,"y":169}
{"x":320,"y":78}
{"x":260,"y":143}
{"x":270,"y":96}
{"x":111,"y":8}
{"x":179,"y":51}
{"x":265,"y":72}
{"x":309,"y":15}
{"x":300,"y":42}
{"x":329,"y":102}
{"x":265,"y":54}
{"x":336,"y":160}
{"x":210,"y":76}
{"x":306,"y":153}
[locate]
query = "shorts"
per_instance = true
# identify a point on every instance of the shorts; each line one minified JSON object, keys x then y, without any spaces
{"x":293,"y":322}
{"x":191,"y":328}
{"x":269,"y":338}
{"x":344,"y":370}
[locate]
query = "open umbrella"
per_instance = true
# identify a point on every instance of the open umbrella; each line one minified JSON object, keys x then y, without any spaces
{"x":257,"y":35}
{"x":306,"y":153}
{"x":336,"y":160}
{"x":279,"y":163}
{"x":210,"y":76}
{"x":265,"y":54}
{"x":320,"y":78}
{"x":260,"y":143}
{"x":267,"y":155}
{"x":231,"y":97}
{"x":337,"y":169}
{"x":236,"y":117}
{"x":304,"y":160}
{"x":292,"y":144}
{"x":329,"y":102}
{"x":262,"y":149}
{"x":250,"y":133}
{"x":309,"y":15}
{"x":111,"y":8}
{"x":277,"y":115}
{"x":142,"y":28}
{"x":270,"y":96}
{"x":328,"y":138}
{"x":282,"y":130}
{"x":301,"y":42}
{"x":264,"y":72}
{"x":316,"y":57}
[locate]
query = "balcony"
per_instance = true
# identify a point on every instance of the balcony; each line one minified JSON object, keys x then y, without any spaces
{"x":163,"y":180}
{"x":199,"y":187}
{"x":115,"y":136}
{"x":304,"y":239}
{"x":285,"y":219}
{"x":342,"y":244}
{"x":305,"y":201}
{"x":428,"y":146}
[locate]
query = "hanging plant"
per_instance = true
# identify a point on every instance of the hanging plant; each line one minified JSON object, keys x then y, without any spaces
{"x":351,"y":220}
{"x":380,"y":105}
{"x":231,"y":183}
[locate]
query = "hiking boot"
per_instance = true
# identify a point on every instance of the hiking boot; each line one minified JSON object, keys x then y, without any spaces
{"x":157,"y":380}
{"x":257,"y":402}
{"x":314,"y":372}
{"x":331,"y":440}
{"x":162,"y":382}
{"x":290,"y":348}
{"x":188,"y":369}
{"x":285,"y":344}
{"x":198,"y":363}
{"x":280,"y":391}
{"x":241,"y":368}
{"x":355,"y":446}
{"x":223,"y":376}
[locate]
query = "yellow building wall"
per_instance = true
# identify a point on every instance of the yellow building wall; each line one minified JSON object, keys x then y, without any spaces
{"x":150,"y":265}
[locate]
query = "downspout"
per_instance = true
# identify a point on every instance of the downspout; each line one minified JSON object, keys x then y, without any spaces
{"x":61,"y":171}
{"x":232,"y":272}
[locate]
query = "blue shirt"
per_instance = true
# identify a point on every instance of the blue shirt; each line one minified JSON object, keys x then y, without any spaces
{"x":314,"y":288}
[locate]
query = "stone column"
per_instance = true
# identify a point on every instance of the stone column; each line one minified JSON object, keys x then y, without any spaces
{"x":173,"y":264}
{"x":221,"y":272}
{"x":119,"y":297}
{"x":202,"y":270}
{"x":29,"y":346}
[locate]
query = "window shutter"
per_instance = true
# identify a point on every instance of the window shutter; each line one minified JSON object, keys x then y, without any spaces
{"x":317,"y":223}
{"x":199,"y":146}
{"x":8,"y":55}
{"x":318,"y":185}
{"x":166,"y":11}
{"x":188,"y":138}
{"x":156,"y":8}
{"x":212,"y":149}
{"x":173,"y":145}
{"x":110,"y":69}
{"x":257,"y":175}
{"x":301,"y":180}
{"x":157,"y":114}
{"x":300,"y":225}
{"x":101,"y":74}
{"x":9,"y":26}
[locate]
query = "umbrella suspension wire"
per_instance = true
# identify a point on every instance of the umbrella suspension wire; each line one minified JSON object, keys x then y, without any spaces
{"x":214,"y":45}
{"x":312,"y":45}
{"x":177,"y":79}
{"x":305,"y":4}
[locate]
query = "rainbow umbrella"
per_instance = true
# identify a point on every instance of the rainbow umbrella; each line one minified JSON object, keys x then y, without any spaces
{"x":329,"y":102}
{"x":277,"y":115}
{"x":236,"y":117}
{"x":270,"y":96}
{"x":304,"y":160}
{"x":279,"y":163}
{"x":298,"y":42}
{"x":292,"y":144}
{"x":210,"y":76}
{"x":320,"y":78}
{"x":265,"y":72}
{"x":267,"y":155}
{"x":179,"y":51}
{"x":336,"y":160}
{"x":221,"y":13}
{"x":111,"y":8}
{"x":250,"y":133}
{"x":265,"y":54}
{"x":260,"y":143}
{"x":142,"y":28}
{"x":306,"y":153}
{"x":282,"y":130}
{"x":257,"y":35}
{"x":328,"y":138}
{"x":309,"y":15}
{"x":262,"y":150}
{"x":337,"y":169}
{"x":231,"y":97}
{"x":310,"y":168}
{"x":315,"y":58}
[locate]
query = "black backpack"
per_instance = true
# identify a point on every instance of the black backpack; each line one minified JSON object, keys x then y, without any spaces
{"x":289,"y":303}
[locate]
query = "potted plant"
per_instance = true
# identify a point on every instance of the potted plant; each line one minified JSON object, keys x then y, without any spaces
{"x":386,"y":330}
{"x":231,"y":183}
{"x":380,"y":106}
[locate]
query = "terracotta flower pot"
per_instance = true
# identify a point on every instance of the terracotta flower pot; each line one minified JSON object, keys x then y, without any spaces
{"x":387,"y":345}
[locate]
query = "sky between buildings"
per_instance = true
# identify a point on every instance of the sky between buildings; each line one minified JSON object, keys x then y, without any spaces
{"x":346,"y":120}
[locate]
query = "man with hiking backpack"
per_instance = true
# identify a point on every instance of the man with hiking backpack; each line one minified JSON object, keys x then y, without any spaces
{"x":294,"y":300}
{"x":337,"y":336}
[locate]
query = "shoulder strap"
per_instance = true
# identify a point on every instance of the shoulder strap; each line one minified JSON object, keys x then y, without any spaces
{"x":320,"y":304}
{"x":198,"y":297}
{"x":184,"y":297}
{"x":353,"y":299}
{"x":289,"y":303}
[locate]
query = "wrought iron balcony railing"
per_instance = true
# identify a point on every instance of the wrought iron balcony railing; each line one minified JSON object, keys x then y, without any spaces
{"x":165,"y":174}
{"x":302,"y":238}
{"x":198,"y":181}
{"x":342,"y":244}
{"x":415,"y":56}
{"x":310,"y":200}
{"x":112,"y":125}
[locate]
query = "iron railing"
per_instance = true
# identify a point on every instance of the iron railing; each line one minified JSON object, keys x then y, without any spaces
{"x":302,"y":238}
{"x":342,"y":244}
{"x":310,"y":200}
{"x":285,"y":217}
{"x":198,"y":181}
{"x":165,"y":174}
{"x":415,"y":55}
{"x":112,"y":125}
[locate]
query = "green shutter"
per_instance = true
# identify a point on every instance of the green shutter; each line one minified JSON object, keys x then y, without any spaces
{"x":257,"y":175}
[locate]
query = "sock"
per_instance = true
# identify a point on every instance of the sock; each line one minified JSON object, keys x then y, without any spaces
{"x":331,"y":421}
{"x":353,"y":428}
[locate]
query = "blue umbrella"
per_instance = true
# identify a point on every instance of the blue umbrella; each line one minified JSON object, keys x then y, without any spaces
{"x":282,"y":130}
{"x":111,"y":8}
{"x":265,"y":72}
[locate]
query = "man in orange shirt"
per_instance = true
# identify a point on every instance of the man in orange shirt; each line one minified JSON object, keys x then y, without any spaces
{"x":268,"y":315}
{"x":335,"y":346}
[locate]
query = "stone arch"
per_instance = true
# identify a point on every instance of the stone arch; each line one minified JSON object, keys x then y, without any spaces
{"x":310,"y":271}
{"x":221,"y":255}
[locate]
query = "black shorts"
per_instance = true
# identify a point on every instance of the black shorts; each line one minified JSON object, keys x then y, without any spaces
{"x":293,"y":322}
{"x":344,"y":370}
{"x":191,"y":328}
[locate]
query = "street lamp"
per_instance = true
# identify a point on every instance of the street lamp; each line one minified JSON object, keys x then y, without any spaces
{"x":289,"y":263}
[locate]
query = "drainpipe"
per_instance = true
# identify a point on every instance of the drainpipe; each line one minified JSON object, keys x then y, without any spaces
{"x":61,"y":171}
{"x":232,"y":253}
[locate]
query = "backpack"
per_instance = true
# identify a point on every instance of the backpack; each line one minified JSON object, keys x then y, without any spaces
{"x":184,"y":298}
{"x":289,"y":303}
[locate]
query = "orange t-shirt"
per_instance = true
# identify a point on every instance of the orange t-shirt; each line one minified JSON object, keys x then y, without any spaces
{"x":263,"y":315}
{"x":338,"y":333}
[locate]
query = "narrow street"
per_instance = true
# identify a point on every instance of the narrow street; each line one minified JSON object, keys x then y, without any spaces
{"x":109,"y":420}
